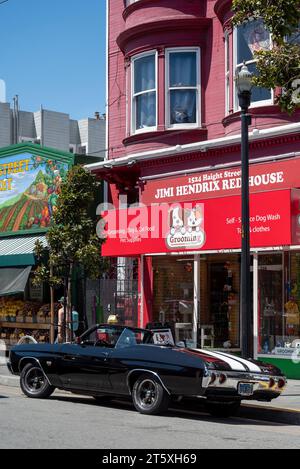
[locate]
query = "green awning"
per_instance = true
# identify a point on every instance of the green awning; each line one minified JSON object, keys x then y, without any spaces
{"x":13,"y":280}
{"x":18,"y":250}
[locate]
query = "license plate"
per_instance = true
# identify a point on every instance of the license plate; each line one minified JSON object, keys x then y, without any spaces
{"x":245,"y":389}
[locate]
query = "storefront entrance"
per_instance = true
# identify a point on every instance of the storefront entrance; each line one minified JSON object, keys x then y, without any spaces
{"x":173,"y":295}
{"x":198,"y":297}
{"x":219,"y":300}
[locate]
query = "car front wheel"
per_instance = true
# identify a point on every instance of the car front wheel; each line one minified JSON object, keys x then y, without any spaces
{"x":34,"y":383}
{"x":148,"y":395}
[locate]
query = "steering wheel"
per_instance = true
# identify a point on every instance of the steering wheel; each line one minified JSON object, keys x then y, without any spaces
{"x":101,"y":342}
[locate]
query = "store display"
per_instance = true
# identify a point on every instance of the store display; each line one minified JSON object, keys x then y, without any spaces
{"x":19,"y":318}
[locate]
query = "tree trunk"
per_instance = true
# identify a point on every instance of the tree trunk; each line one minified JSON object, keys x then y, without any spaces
{"x":69,"y":328}
{"x":52,"y":315}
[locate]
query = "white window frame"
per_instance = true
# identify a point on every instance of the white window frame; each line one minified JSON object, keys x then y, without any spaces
{"x":265,"y":102}
{"x":134,"y":130}
{"x":184,"y":125}
{"x":227,"y":72}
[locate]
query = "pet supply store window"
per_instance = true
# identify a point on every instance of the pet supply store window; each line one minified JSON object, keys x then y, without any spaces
{"x":219,"y":315}
{"x":204,"y":289}
{"x":279,"y":304}
{"x":173,"y":295}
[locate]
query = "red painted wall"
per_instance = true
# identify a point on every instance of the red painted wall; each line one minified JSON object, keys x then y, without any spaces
{"x":156,"y":24}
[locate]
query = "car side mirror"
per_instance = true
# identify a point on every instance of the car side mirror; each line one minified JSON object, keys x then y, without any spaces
{"x":78,"y":340}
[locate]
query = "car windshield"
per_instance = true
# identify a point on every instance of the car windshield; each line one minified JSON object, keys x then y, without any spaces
{"x":102,"y":336}
{"x":131,"y":337}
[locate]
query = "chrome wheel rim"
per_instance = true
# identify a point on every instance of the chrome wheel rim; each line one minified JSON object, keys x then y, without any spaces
{"x":34,"y":380}
{"x":146,"y":393}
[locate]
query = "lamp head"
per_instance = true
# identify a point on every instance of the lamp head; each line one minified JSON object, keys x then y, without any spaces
{"x":244,"y":80}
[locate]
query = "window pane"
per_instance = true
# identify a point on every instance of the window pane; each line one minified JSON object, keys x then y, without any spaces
{"x":251,"y":37}
{"x":144,"y":74}
{"x":279,"y":303}
{"x":183,"y":106}
{"x":270,"y":300}
{"x":146,"y":110}
{"x":258,"y":94}
{"x":183,"y":69}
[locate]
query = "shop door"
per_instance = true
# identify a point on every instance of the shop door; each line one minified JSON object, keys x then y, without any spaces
{"x":219,"y":310}
{"x":173,"y":296}
{"x":270,"y":302}
{"x":85,"y":366}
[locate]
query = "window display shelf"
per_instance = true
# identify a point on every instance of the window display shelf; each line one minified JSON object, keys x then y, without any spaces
{"x":25,"y":325}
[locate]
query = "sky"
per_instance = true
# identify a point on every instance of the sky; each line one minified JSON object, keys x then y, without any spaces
{"x":52,"y":53}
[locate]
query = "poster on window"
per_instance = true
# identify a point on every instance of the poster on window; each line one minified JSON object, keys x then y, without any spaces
{"x":256,"y":36}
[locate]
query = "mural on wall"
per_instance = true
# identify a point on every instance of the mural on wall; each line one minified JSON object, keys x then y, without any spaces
{"x":29,"y":189}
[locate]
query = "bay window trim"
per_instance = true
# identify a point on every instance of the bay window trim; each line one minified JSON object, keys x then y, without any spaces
{"x":169,"y":88}
{"x":133,"y":95}
{"x":227,"y":72}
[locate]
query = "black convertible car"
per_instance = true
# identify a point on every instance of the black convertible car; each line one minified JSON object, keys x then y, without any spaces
{"x":116,"y":361}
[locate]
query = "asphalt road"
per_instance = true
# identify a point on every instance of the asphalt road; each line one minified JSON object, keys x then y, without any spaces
{"x":68,"y":421}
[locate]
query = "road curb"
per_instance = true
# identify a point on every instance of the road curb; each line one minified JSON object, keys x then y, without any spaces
{"x":270,"y":414}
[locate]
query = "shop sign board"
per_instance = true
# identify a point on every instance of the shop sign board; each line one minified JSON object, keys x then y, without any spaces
{"x":271,"y":176}
{"x":29,"y":189}
{"x":211,"y":224}
{"x":35,"y":291}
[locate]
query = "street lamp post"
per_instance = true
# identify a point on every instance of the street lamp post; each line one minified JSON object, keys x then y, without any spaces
{"x":244,"y":85}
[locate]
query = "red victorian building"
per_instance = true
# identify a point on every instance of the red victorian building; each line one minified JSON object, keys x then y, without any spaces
{"x":173,"y":141}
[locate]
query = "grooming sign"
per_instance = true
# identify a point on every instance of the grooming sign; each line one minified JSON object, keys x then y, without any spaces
{"x":211,"y":224}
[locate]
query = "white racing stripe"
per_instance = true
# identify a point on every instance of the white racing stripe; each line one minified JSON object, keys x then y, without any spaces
{"x":234,"y":364}
{"x":250,"y":365}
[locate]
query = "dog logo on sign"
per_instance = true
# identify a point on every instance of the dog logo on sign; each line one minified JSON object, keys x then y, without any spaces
{"x":186,"y":228}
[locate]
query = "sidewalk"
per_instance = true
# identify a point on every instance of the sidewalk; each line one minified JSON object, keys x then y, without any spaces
{"x":6,"y":378}
{"x":284,"y":409}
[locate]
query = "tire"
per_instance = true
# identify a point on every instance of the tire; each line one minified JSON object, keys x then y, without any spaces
{"x":223,"y":409}
{"x":148,"y":395}
{"x":102,"y":399}
{"x":34,"y":383}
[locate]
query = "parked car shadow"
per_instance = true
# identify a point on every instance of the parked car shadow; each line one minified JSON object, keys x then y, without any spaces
{"x":190,"y":409}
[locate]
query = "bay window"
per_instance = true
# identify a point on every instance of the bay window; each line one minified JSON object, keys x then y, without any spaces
{"x":182,"y":87}
{"x":249,"y":38}
{"x":144,"y":92}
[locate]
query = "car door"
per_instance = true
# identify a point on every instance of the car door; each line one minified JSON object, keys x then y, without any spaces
{"x":85,"y":366}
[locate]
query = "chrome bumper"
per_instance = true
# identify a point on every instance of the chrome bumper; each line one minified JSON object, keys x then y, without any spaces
{"x":264,"y":383}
